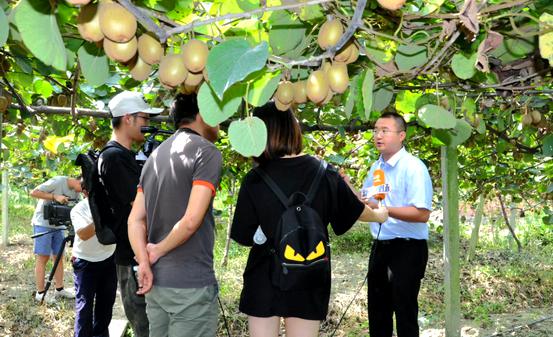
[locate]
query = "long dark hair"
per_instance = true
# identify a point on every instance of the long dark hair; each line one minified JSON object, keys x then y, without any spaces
{"x":283,"y":132}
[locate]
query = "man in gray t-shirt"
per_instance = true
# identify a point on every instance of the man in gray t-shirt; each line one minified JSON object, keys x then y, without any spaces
{"x":61,"y":190}
{"x":171,"y":227}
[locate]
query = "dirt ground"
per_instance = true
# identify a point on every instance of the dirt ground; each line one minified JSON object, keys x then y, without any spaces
{"x":20,"y":316}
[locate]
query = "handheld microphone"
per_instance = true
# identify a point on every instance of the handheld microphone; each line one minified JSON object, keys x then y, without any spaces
{"x":379,"y":182}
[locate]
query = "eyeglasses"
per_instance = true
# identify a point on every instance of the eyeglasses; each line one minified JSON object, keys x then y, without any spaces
{"x":383,"y":132}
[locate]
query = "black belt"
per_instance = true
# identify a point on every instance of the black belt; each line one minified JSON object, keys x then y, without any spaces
{"x":398,"y":240}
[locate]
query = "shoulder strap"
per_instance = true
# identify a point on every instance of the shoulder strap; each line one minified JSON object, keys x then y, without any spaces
{"x":272,"y":186}
{"x":278,"y":192}
{"x":316,"y":181}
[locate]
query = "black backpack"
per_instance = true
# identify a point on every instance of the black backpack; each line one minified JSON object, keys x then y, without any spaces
{"x":300,"y":248}
{"x":100,"y":208}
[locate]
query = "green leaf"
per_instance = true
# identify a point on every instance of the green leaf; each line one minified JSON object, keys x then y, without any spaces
{"x":436,"y":117}
{"x":248,"y":136}
{"x":481,"y":127}
{"x":406,"y":101}
{"x":263,"y":88}
{"x":514,"y":49}
{"x":215,"y":111}
{"x":233,"y":60}
{"x":456,"y":136}
{"x":548,"y":146}
{"x":309,"y":13}
{"x":463,"y":67}
{"x":4,"y":28}
{"x":38,"y":27}
{"x":382,"y":98}
{"x":43,"y":88}
{"x":430,"y":6}
{"x":286,"y":33}
{"x":367,"y":91}
{"x":546,"y":39}
{"x":380,"y":50}
{"x":94,"y":64}
{"x":351,"y":94}
{"x":410,"y":56}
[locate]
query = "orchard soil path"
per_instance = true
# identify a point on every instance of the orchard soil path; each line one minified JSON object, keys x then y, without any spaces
{"x":21,"y":316}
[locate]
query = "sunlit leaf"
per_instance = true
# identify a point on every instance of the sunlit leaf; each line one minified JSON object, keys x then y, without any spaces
{"x":406,"y":101}
{"x":248,"y":136}
{"x":546,"y":39}
{"x":215,"y":111}
{"x":38,"y":26}
{"x":367,"y":91}
{"x":262,"y":89}
{"x":4,"y":28}
{"x":436,"y":117}
{"x":94,"y":64}
{"x":233,"y":60}
{"x":410,"y":56}
{"x":463,"y":67}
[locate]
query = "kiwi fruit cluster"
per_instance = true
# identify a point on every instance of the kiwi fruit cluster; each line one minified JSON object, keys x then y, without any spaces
{"x":111,"y":25}
{"x":532,"y":117}
{"x":392,"y":5}
{"x":322,"y":84}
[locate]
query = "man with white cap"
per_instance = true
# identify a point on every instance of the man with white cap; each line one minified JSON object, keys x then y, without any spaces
{"x":119,"y":173}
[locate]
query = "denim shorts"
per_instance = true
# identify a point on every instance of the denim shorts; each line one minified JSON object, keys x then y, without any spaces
{"x":49,"y":244}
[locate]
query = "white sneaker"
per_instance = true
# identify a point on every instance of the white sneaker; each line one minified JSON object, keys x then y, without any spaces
{"x":64,"y":293}
{"x":48,"y":299}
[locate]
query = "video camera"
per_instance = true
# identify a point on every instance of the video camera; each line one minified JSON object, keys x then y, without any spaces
{"x":58,"y":214}
{"x":151,"y":142}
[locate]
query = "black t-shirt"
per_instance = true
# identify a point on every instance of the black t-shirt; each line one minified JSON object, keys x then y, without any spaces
{"x":120,"y":174}
{"x":258,"y":206}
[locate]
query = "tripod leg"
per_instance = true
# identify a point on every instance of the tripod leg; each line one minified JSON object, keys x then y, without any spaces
{"x":54,"y":267}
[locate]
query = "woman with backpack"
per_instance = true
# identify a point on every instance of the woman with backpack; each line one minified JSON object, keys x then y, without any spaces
{"x":284,"y":207}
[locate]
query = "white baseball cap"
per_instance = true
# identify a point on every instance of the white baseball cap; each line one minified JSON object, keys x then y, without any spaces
{"x":129,"y":102}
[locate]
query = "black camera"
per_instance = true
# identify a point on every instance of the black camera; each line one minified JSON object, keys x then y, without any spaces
{"x":58,"y":214}
{"x":151,"y":141}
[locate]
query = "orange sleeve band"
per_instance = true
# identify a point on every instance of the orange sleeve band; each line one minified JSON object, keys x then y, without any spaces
{"x":206,"y":184}
{"x":139,"y":189}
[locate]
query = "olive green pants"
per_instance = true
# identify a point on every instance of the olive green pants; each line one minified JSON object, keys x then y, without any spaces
{"x":176,"y":312}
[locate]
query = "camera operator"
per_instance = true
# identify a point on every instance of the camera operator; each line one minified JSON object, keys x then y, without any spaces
{"x":58,"y":189}
{"x":119,"y":173}
{"x":95,"y":276}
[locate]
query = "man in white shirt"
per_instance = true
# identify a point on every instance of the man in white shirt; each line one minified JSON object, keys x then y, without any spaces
{"x":95,"y":275}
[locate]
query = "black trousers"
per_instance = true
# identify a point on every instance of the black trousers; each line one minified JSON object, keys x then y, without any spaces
{"x":396,"y":268}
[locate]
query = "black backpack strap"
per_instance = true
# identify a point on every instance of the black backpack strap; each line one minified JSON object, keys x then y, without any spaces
{"x":316,"y":181}
{"x":272,"y":186}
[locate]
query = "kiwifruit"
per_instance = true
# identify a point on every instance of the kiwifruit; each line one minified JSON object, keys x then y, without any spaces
{"x":78,"y":2}
{"x":527,"y":119}
{"x":188,"y":89}
{"x":317,"y":86}
{"x":62,"y":100}
{"x":120,"y":52}
{"x":391,"y":4}
{"x":327,"y":98}
{"x":326,"y":66}
{"x":344,"y":54}
{"x":300,"y":92}
{"x":536,"y":116}
{"x":117,"y":23}
{"x":330,"y":33}
{"x":149,"y":49}
{"x":172,"y":71}
{"x":139,"y":69}
{"x":354,"y":54}
{"x":338,"y":78}
{"x":195,"y":55}
{"x":88,"y":23}
{"x":281,"y":106}
{"x":285,"y":93}
{"x":3,"y":103}
{"x":194,"y":79}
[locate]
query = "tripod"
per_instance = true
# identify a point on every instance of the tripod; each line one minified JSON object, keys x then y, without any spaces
{"x":69,"y":238}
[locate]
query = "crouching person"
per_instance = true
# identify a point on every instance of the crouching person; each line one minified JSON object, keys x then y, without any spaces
{"x":95,"y":275}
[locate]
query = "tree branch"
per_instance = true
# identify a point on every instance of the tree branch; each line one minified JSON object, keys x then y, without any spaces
{"x":506,"y":218}
{"x":145,"y":20}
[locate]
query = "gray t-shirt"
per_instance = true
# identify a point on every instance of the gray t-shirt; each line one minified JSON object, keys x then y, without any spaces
{"x":183,"y":160}
{"x":57,"y":185}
